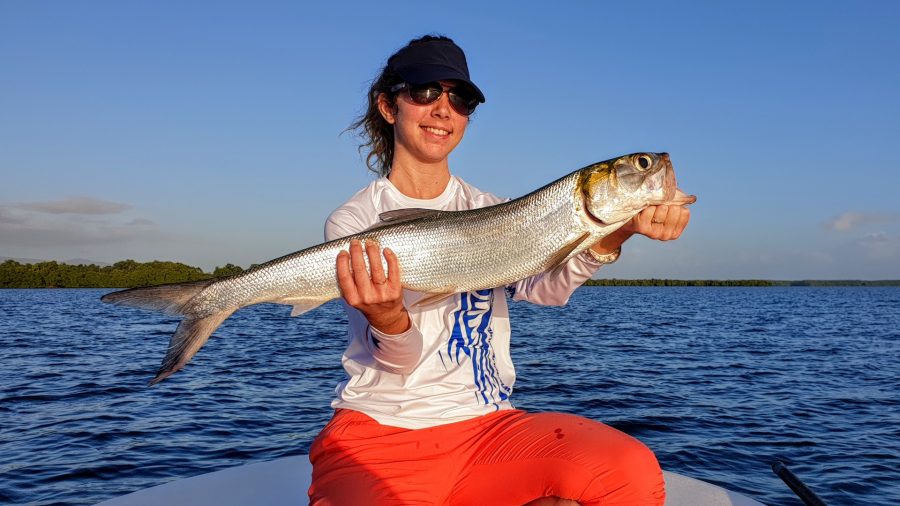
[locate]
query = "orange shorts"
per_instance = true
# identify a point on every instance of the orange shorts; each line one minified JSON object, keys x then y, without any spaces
{"x":508,"y":457}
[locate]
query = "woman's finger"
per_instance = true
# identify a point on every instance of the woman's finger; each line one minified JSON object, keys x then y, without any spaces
{"x":358,"y":265}
{"x":659,"y":214}
{"x":345,"y":278}
{"x":683,"y":218}
{"x":670,"y":224}
{"x":674,"y":223}
{"x":642,"y":220}
{"x":393,"y":274}
{"x":375,"y":266}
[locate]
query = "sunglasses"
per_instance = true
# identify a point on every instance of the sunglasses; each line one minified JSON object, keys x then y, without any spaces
{"x":462,"y":99}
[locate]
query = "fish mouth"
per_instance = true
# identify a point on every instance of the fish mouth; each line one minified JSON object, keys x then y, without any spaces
{"x":654,"y":187}
{"x":671,"y":194}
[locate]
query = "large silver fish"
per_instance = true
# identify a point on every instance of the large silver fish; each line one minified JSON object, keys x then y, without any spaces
{"x":440,"y":252}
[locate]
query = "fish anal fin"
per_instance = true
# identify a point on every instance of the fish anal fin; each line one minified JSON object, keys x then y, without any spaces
{"x":301,"y":304}
{"x":566,"y":251}
{"x":299,"y":309}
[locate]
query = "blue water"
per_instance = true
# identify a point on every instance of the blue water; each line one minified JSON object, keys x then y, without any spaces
{"x":719,"y":382}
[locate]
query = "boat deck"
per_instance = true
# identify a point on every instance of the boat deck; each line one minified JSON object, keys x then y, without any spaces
{"x":285,"y":481}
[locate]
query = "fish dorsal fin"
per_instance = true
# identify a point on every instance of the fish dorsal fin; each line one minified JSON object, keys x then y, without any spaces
{"x":409,"y":214}
{"x":563,"y":254}
{"x":402,"y":216}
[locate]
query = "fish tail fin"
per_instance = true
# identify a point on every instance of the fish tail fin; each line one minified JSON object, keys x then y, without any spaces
{"x":189,"y":337}
{"x":169,"y":299}
{"x":174,"y":299}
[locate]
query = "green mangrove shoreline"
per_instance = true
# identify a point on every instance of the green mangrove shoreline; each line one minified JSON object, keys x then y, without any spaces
{"x":130,"y":274}
{"x":741,"y":282}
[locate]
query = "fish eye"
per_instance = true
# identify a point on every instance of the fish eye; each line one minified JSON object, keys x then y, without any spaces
{"x":644,"y":162}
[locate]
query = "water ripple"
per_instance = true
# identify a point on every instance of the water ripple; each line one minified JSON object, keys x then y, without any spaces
{"x":717,"y":381}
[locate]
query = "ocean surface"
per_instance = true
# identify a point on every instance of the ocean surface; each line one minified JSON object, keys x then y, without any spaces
{"x":719,"y":382}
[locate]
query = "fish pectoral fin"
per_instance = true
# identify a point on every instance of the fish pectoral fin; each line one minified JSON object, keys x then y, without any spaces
{"x":433,"y":297}
{"x":566,"y":251}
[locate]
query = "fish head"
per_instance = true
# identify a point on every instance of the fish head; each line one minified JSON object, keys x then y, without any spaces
{"x":617,"y":189}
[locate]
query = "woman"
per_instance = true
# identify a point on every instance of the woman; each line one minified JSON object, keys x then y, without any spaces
{"x":424,"y":416}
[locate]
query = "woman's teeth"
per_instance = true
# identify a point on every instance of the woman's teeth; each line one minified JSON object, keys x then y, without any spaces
{"x":436,"y":131}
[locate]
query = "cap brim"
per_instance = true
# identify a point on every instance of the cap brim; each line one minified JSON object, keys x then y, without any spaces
{"x":428,"y":73}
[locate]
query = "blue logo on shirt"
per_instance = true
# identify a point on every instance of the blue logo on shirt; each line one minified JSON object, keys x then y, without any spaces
{"x":471,"y":337}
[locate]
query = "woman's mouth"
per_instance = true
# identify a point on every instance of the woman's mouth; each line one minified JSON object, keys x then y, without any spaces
{"x":436,"y":131}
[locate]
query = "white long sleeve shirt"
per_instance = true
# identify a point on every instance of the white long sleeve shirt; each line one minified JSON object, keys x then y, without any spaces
{"x":453,"y":363}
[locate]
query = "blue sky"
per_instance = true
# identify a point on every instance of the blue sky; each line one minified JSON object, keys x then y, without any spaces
{"x":211,"y":132}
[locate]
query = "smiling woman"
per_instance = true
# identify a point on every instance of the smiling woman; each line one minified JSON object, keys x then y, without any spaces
{"x":425,"y":413}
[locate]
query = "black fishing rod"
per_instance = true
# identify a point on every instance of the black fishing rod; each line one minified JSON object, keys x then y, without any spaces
{"x":803,"y":492}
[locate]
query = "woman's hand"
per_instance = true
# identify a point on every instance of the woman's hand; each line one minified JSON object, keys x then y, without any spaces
{"x":378,"y":296}
{"x":662,"y":223}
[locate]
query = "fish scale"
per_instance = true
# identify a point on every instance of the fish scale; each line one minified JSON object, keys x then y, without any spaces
{"x":439,"y":252}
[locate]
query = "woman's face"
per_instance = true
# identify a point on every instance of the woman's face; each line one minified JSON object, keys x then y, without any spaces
{"x":425,"y":133}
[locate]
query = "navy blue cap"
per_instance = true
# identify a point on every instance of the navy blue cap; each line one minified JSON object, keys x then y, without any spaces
{"x":432,"y":60}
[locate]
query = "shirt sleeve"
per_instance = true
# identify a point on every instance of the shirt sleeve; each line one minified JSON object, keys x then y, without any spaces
{"x":396,"y":353}
{"x":342,"y":223}
{"x":555,"y":286}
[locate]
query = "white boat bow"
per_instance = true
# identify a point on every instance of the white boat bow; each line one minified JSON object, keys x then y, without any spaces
{"x":285,"y":481}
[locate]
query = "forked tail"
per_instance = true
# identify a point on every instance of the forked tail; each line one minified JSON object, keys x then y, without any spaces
{"x":192,"y":332}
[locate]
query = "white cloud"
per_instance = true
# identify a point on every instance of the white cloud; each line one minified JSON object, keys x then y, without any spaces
{"x":852,"y":220}
{"x":881,"y":247}
{"x":78,"y":221}
{"x":72,"y":232}
{"x":74,"y":205}
{"x":9,"y":218}
{"x":875,"y":238}
{"x":141,"y":222}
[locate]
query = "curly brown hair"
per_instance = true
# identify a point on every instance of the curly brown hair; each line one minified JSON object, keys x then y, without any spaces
{"x":377,"y":134}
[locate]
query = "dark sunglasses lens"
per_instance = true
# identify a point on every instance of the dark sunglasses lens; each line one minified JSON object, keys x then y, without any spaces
{"x":425,"y":93}
{"x":463,"y":101}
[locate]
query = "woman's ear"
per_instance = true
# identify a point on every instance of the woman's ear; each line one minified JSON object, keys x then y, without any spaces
{"x":386,"y":108}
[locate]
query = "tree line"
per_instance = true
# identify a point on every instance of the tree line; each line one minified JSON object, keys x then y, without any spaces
{"x":124,"y":274}
{"x":130,"y":274}
{"x":740,"y":282}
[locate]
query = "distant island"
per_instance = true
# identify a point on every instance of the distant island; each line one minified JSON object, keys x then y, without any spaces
{"x":130,"y":274}
{"x":741,"y":282}
{"x":124,"y":274}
